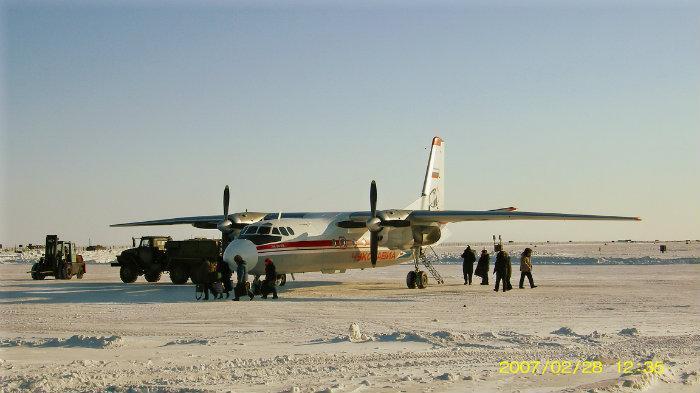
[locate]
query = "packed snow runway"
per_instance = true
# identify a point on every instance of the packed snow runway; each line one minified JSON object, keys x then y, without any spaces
{"x":99,"y":334}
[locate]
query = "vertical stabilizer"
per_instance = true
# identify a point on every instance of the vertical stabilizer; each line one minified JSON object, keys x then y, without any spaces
{"x":433,"y":192}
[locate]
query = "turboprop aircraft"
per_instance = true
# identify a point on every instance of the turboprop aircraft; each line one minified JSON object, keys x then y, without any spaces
{"x":330,"y":242}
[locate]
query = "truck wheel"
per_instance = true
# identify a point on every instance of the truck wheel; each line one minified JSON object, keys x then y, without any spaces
{"x":80,"y":275}
{"x":178,"y":275}
{"x":35,"y":272}
{"x":153,"y":276}
{"x":128,"y":273}
{"x":67,"y":273}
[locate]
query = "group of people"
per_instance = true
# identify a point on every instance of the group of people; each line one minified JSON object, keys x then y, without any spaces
{"x":218,"y":279}
{"x":502,"y":268}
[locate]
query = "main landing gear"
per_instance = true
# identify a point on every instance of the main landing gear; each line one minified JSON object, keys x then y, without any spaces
{"x":418,"y":278}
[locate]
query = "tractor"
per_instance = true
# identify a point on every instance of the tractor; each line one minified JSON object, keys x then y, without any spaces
{"x":60,"y":260}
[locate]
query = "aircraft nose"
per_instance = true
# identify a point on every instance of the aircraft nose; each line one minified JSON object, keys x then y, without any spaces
{"x":246,"y":249}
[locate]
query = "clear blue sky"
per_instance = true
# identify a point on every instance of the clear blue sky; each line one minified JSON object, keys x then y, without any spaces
{"x":132,"y":111}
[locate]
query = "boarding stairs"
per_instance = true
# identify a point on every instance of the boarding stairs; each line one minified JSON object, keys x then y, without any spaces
{"x":428,"y":263}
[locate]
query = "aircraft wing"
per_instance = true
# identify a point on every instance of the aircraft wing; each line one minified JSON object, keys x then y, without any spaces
{"x":206,"y":222}
{"x":445,"y":216}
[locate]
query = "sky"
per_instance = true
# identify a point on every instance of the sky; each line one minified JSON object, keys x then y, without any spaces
{"x":129,"y":111}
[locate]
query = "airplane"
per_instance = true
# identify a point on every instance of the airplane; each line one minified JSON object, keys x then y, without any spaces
{"x":331,"y":242}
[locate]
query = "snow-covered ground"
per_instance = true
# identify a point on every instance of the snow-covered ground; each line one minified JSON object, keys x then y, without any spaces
{"x":593,"y":253}
{"x":359,"y":331}
{"x":32,"y":256}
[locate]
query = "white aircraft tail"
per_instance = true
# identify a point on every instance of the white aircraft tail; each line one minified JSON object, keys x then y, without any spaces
{"x":433,"y":193}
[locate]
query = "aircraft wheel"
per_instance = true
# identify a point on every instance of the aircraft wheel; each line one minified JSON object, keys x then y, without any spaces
{"x":422,"y":280}
{"x":256,"y":288}
{"x":411,"y":279}
{"x":281,"y":280}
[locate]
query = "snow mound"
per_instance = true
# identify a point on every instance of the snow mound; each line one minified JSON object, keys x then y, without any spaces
{"x":356,"y":336}
{"x":78,"y":341}
{"x":564,"y":331}
{"x":629,"y":332}
{"x":194,"y":341}
{"x":446,"y":377}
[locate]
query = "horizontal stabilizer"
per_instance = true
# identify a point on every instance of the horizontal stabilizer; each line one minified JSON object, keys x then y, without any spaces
{"x":505,"y":209}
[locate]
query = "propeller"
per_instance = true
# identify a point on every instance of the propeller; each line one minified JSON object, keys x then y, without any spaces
{"x":225,"y":226}
{"x":376,"y":223}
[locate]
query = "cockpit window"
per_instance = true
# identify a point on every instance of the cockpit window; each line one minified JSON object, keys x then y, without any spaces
{"x":283,"y":230}
{"x":291,"y":231}
{"x":263,"y":235}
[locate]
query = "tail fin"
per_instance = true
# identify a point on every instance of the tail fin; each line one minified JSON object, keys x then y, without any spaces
{"x":433,"y":193}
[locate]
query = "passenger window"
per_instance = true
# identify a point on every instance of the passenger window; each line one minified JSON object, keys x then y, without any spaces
{"x":284,"y":231}
{"x":264,"y":231}
{"x":291,"y":232}
{"x":275,"y":231}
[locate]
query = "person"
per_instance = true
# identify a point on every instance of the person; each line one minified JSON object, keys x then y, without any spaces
{"x":268,"y":284}
{"x":501,"y":270}
{"x":225,"y":270}
{"x":482,"y":267}
{"x":509,"y":271}
{"x":468,"y":265}
{"x":526,"y":268}
{"x":206,"y":277}
{"x":241,"y":279}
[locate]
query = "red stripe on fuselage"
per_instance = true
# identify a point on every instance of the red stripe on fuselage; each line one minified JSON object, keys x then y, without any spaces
{"x":297,"y":244}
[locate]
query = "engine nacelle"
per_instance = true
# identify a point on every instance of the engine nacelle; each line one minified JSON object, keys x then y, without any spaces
{"x":425,"y":235}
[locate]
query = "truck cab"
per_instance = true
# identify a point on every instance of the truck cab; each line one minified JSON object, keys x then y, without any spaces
{"x":147,"y":259}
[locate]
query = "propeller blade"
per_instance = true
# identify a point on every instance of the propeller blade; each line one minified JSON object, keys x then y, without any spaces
{"x":396,"y":223}
{"x":373,"y":247}
{"x":373,"y":198}
{"x":350,"y":224}
{"x":226,"y":199}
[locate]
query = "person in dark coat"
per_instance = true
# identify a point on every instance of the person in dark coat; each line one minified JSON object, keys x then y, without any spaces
{"x":241,"y":279}
{"x":226,"y":273}
{"x":482,"y":267}
{"x":526,"y":268}
{"x":207,"y":275}
{"x":501,"y":270}
{"x":270,"y":279}
{"x":468,"y":265}
{"x":509,"y":271}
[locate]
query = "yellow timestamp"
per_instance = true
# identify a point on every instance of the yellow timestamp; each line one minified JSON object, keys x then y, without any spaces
{"x":556,"y":367}
{"x":573,"y":367}
{"x":646,"y":367}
